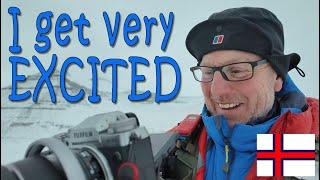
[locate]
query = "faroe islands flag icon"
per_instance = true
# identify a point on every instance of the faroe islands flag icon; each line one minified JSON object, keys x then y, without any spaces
{"x":285,"y":155}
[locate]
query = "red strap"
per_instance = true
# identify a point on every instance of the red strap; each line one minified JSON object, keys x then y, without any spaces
{"x":188,"y":125}
{"x":202,"y":143}
{"x":200,"y":173}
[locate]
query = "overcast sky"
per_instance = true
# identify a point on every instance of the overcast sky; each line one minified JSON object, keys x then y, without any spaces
{"x":300,"y":19}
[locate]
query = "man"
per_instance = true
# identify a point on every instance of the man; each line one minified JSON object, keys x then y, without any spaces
{"x":243,"y":70}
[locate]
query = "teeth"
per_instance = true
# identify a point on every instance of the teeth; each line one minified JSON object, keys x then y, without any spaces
{"x":226,"y":106}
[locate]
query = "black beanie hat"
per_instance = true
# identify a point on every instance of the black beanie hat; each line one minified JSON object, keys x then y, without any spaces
{"x":250,"y":29}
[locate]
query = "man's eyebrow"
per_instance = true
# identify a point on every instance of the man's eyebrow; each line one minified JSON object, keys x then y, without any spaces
{"x":226,"y":62}
{"x":235,"y":60}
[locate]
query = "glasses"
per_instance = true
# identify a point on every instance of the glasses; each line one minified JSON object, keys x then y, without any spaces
{"x":231,"y":72}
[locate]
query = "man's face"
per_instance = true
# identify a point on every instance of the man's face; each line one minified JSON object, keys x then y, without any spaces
{"x":239,"y":101}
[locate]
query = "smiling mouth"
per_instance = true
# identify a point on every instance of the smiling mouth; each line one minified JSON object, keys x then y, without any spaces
{"x":229,"y":106}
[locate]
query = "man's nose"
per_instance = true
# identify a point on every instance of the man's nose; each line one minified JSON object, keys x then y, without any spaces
{"x":219,"y":85}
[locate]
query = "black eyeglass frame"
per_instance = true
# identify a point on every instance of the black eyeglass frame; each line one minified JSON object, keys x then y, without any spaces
{"x":214,"y":69}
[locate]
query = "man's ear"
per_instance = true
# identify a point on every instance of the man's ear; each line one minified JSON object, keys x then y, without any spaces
{"x":278,"y":84}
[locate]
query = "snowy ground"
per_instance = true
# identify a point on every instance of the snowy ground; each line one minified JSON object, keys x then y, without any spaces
{"x":27,"y":126}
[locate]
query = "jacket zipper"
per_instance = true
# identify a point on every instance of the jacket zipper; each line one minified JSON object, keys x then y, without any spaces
{"x":228,"y":159}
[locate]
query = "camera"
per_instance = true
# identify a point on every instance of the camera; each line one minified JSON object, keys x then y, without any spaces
{"x":104,"y":146}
